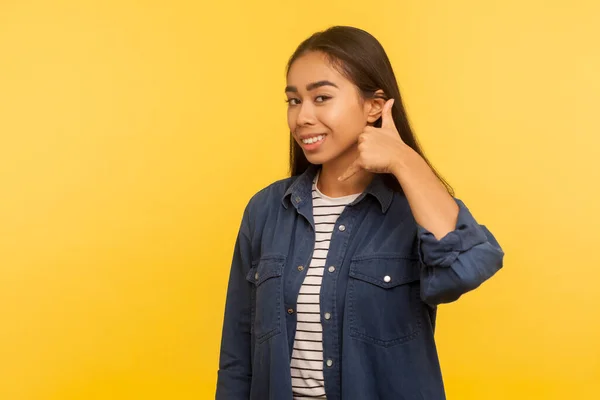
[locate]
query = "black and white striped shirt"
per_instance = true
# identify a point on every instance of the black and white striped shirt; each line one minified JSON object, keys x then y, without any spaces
{"x":307,"y":355}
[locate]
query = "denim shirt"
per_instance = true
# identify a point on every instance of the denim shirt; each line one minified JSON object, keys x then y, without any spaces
{"x":384,"y":277}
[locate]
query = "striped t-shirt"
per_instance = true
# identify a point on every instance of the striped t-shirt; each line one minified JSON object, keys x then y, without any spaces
{"x":307,"y":356}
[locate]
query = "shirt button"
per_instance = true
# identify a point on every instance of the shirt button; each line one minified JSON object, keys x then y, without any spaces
{"x":300,"y":268}
{"x":331,"y":269}
{"x":327,"y":315}
{"x":387,"y":278}
{"x":342,"y":228}
{"x":290,"y":310}
{"x":256,"y":276}
{"x":329,"y":362}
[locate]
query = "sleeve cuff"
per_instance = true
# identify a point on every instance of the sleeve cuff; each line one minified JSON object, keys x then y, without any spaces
{"x":444,"y":252}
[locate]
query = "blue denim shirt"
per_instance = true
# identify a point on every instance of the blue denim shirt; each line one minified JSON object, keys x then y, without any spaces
{"x":380,"y":336}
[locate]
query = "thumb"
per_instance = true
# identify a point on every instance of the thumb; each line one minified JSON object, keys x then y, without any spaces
{"x":352,"y":169}
{"x":387,"y":120}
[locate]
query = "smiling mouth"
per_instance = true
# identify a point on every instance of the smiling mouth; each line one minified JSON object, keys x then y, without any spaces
{"x":313,"y":140}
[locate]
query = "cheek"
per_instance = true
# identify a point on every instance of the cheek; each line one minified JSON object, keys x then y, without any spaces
{"x":345,"y":120}
{"x":333,"y":117}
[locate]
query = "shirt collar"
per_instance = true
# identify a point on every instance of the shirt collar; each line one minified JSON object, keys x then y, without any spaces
{"x":301,"y":190}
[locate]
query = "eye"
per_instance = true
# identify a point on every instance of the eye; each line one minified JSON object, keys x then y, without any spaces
{"x":292,"y":102}
{"x":321,"y":99}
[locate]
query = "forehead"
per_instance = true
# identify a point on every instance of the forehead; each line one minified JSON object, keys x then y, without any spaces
{"x":313,"y":67}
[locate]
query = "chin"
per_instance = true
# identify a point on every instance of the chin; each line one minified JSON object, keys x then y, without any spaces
{"x":317,"y":159}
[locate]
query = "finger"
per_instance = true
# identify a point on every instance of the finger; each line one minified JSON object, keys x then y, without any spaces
{"x":352,"y":169}
{"x":387,"y":121}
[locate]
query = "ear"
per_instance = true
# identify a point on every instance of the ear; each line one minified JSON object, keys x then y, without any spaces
{"x":374,"y":106}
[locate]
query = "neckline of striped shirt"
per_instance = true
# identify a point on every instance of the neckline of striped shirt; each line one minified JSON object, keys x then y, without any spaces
{"x":331,"y":201}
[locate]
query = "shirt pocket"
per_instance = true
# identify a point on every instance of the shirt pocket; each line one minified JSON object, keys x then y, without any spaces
{"x":384,"y":303}
{"x":266,"y":276}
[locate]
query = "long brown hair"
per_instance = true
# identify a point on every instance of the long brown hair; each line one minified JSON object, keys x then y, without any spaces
{"x":359,"y":56}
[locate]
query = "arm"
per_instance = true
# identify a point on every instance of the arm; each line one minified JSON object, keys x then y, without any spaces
{"x":457,"y":253}
{"x":432,"y":206}
{"x":235,"y":369}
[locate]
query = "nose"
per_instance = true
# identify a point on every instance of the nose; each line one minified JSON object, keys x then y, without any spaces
{"x":306,"y":115}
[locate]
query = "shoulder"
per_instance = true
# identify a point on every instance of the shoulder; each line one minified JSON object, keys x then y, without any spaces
{"x":268,"y":197}
{"x":273,"y":192}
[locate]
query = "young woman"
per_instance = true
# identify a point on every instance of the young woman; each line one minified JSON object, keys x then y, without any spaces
{"x":338,"y":270}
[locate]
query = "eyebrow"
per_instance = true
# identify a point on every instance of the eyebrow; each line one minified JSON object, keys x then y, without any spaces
{"x":311,"y":86}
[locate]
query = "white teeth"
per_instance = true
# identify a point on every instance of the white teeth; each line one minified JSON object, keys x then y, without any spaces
{"x":313,"y":139}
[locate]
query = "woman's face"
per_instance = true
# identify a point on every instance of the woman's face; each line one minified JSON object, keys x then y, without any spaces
{"x":325,"y":112}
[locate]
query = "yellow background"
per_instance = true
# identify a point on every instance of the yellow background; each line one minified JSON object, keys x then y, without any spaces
{"x":132,"y":134}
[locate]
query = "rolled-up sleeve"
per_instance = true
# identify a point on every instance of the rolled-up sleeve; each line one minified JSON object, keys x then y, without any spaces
{"x":460,"y":261}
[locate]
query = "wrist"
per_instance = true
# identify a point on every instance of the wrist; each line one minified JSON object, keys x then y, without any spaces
{"x":404,"y":158}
